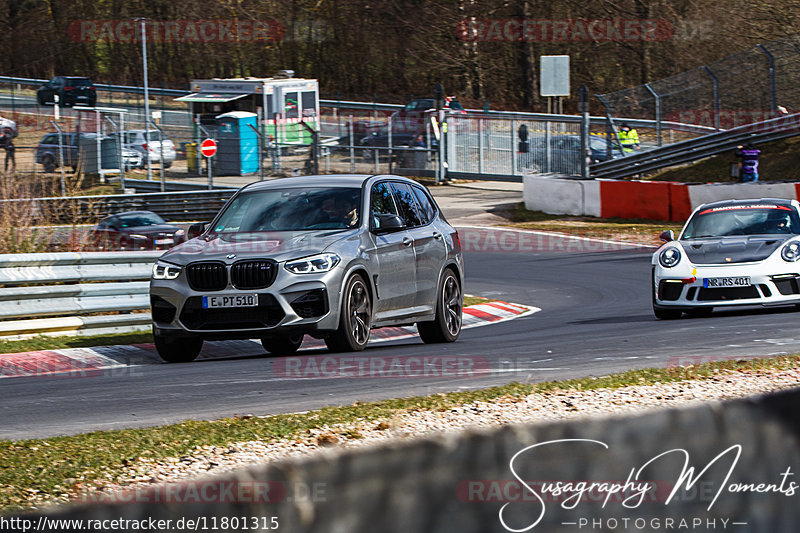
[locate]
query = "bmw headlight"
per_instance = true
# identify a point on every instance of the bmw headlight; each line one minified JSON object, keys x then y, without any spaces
{"x":162,"y":270}
{"x":312,"y":264}
{"x":791,"y":252}
{"x":669,"y":257}
{"x":137,"y":236}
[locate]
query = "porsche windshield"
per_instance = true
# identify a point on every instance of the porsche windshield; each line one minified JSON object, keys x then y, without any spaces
{"x":291,"y":209}
{"x":742,"y":220}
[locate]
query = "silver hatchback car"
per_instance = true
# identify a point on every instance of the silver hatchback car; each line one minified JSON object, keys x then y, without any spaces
{"x":329,"y":256}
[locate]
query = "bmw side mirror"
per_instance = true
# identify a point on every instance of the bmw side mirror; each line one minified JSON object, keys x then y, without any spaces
{"x":387,"y":223}
{"x":195,"y":230}
{"x":667,"y":236}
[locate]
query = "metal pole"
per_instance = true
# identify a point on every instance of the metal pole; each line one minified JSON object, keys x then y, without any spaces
{"x":657,"y":100}
{"x":773,"y":98}
{"x":481,"y":127}
{"x":146,"y":99}
{"x":390,"y":144}
{"x":611,"y":130}
{"x":715,"y":94}
{"x":586,"y":153}
{"x":352,"y":147}
{"x":210,"y":179}
{"x":442,"y":136}
{"x":548,"y":155}
{"x":99,"y":147}
{"x":513,"y":134}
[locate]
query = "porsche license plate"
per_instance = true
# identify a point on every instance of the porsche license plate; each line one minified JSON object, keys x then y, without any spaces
{"x":230,"y":300}
{"x":731,"y":281}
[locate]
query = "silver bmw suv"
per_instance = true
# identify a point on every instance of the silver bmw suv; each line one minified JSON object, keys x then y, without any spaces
{"x":328,"y":256}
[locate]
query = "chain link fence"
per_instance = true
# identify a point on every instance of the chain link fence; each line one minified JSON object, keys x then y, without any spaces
{"x":746,"y":87}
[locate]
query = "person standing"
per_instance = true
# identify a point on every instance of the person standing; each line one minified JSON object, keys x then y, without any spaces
{"x":749,"y":161}
{"x":628,"y":138}
{"x":7,"y":142}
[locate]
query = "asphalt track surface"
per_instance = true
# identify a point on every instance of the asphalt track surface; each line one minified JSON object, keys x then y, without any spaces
{"x":596,"y":319}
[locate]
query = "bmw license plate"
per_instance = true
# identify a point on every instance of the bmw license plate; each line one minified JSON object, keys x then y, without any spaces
{"x":230,"y":300}
{"x":164,"y":241}
{"x":731,"y":281}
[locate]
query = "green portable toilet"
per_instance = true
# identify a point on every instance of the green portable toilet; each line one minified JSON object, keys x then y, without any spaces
{"x":237,"y":144}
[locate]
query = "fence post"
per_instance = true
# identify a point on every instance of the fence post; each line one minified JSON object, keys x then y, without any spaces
{"x":657,"y":99}
{"x":585,"y":144}
{"x":352,"y":147}
{"x":610,"y":129}
{"x":513,"y":134}
{"x":481,"y":127}
{"x":715,"y":94}
{"x":773,"y":100}
{"x":547,"y":152}
{"x":377,"y":154}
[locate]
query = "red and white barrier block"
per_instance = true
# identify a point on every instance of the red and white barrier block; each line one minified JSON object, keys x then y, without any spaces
{"x":653,"y":200}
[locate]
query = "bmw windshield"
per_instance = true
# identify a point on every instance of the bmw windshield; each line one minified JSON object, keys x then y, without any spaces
{"x":291,"y":209}
{"x":761,"y":219}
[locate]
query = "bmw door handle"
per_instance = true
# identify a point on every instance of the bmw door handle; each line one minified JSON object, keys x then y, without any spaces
{"x":437,"y":235}
{"x":407,"y":241}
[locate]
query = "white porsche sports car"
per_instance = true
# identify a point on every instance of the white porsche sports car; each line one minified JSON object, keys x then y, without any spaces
{"x":729,"y":253}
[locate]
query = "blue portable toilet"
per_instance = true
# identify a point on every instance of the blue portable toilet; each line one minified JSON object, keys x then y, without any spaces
{"x":237,"y":144}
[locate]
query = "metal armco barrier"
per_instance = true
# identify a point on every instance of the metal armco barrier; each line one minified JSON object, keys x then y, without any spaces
{"x":173,"y":206}
{"x":692,"y":150}
{"x":74,"y":293}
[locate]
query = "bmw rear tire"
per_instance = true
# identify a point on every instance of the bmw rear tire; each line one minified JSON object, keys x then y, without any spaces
{"x":355,"y":319}
{"x":446,"y":326}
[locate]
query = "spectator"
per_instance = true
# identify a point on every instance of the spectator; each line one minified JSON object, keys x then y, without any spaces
{"x":782,"y":111}
{"x":749,"y":161}
{"x":628,"y":138}
{"x":7,"y":143}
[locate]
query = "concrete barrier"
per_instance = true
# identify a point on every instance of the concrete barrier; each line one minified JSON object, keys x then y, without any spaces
{"x":654,"y":200}
{"x":729,"y":466}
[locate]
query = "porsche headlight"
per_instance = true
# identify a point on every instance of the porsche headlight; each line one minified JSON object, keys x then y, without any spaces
{"x":669,"y":257}
{"x":313,"y":264}
{"x":162,"y":270}
{"x":791,"y":252}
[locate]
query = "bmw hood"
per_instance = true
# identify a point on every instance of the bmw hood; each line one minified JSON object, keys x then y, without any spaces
{"x":733,"y":249}
{"x":279,"y":246}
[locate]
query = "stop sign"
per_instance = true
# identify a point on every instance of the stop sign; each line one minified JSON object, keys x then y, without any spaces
{"x":208,"y":147}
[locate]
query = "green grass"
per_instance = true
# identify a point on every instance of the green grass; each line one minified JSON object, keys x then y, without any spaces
{"x":53,"y":467}
{"x":54,"y":343}
{"x":634,"y":230}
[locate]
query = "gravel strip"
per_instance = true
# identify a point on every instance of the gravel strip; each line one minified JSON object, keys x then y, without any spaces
{"x":538,"y":407}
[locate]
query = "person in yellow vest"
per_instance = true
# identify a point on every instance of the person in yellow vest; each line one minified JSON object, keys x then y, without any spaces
{"x":629,"y":138}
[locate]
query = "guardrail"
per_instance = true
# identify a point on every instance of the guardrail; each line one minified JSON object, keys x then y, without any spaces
{"x":173,"y":206}
{"x":699,"y":148}
{"x":88,"y":293}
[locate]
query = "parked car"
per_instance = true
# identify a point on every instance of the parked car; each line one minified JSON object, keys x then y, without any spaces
{"x":411,"y":119}
{"x":49,"y":153}
{"x":71,"y":90}
{"x":565,"y":153}
{"x":372,"y":144}
{"x":136,"y":140}
{"x":329,"y":256}
{"x":135,"y":230}
{"x":729,"y":253}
